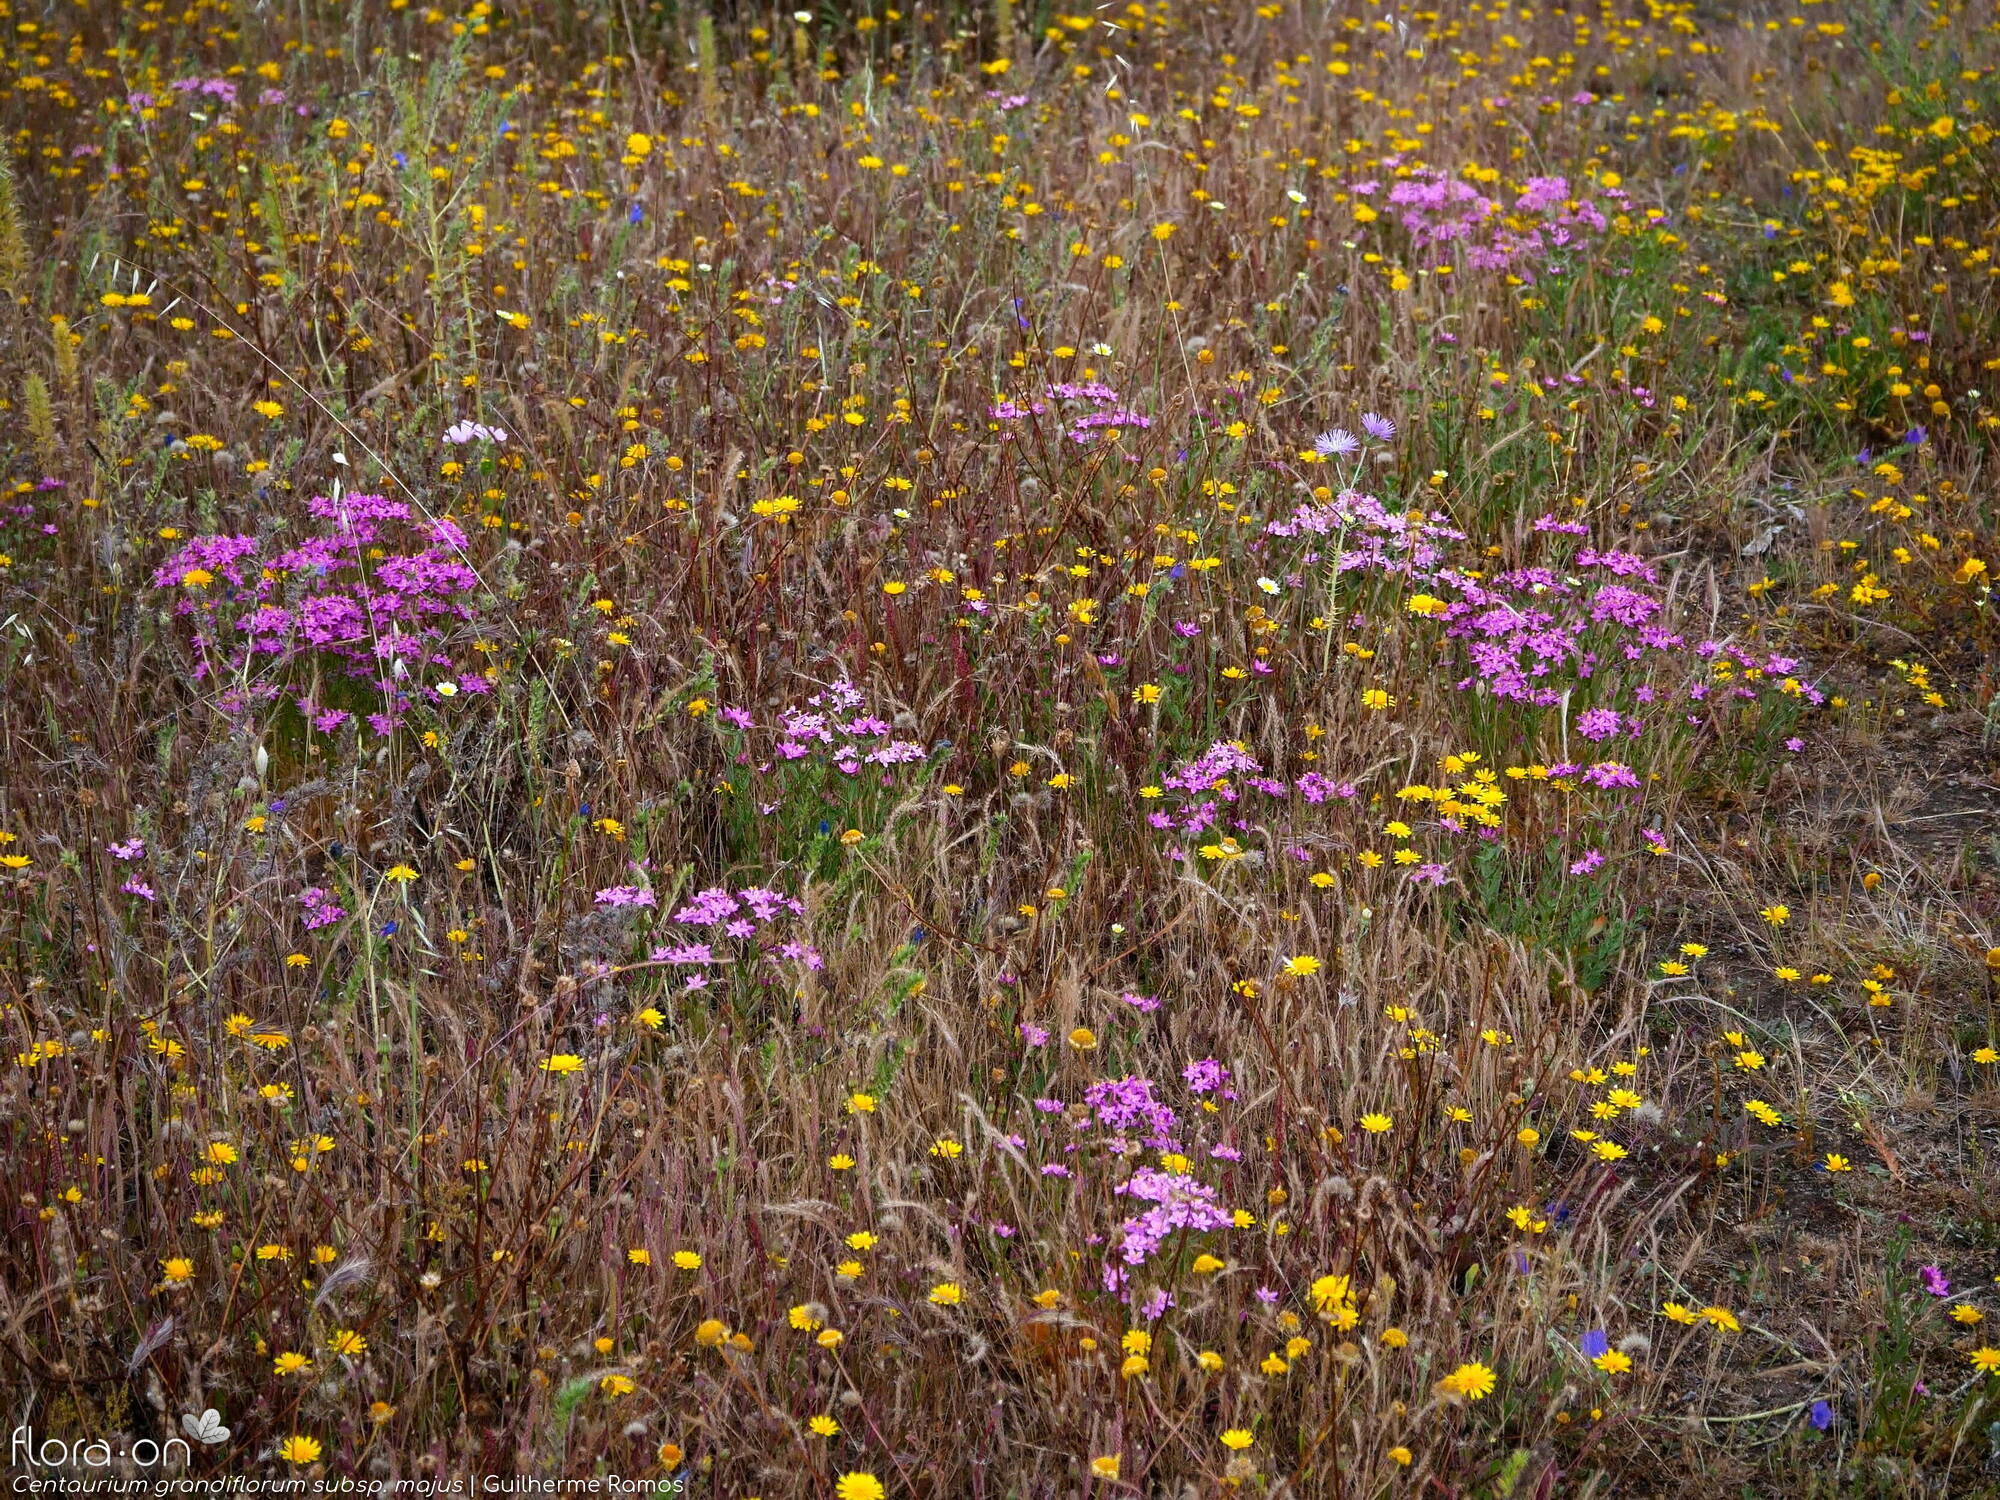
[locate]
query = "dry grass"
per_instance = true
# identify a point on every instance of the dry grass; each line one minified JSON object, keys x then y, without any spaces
{"x":370,"y":1044}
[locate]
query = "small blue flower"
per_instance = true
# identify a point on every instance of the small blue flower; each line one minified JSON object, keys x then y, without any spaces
{"x":1822,"y":1415}
{"x":1595,"y":1343}
{"x":388,"y":929}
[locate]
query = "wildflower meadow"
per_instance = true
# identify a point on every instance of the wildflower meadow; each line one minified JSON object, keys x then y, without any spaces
{"x":953,"y":748}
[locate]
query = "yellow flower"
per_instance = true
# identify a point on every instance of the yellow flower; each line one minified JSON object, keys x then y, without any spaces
{"x":291,"y":1362}
{"x":1205,"y":1265}
{"x":1722,"y":1318}
{"x":639,"y":1255}
{"x":1237,"y":1438}
{"x":1401,"y":1456}
{"x":563,"y":1062}
{"x":858,"y":1487}
{"x":1613,"y":1362}
{"x":347,"y":1341}
{"x":617,"y":1385}
{"x":1163,"y":232}
{"x":401,"y":874}
{"x":1376,"y":1124}
{"x":1967,"y":1314}
{"x":638,"y":145}
{"x":1986,"y":1360}
{"x":687,"y":1260}
{"x":1105,"y":1466}
{"x":823,"y":1426}
{"x":1302,"y":964}
{"x":299,"y":1449}
{"x":1473,"y":1381}
{"x":947,"y":1294}
{"x":1835,"y":1162}
{"x":1083,"y":1039}
{"x":178,"y":1270}
{"x":861,"y":1104}
{"x":1776,"y":914}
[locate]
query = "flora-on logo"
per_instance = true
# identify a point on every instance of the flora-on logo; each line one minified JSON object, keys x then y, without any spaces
{"x":206,"y":1429}
{"x":27,"y":1450}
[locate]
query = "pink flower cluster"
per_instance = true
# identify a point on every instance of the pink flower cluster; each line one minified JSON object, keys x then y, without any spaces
{"x":1459,"y":224}
{"x":833,"y":726}
{"x":1102,"y":407}
{"x":746,"y":916}
{"x":340,"y":595}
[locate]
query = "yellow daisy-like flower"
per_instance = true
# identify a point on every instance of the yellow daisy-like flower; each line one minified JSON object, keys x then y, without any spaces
{"x":1473,"y":1381}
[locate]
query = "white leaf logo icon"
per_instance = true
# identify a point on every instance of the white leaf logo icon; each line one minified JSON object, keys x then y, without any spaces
{"x":206,"y":1429}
